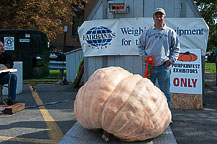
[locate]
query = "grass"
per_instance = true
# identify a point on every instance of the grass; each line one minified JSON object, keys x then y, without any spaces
{"x":210,"y":67}
{"x":53,"y":76}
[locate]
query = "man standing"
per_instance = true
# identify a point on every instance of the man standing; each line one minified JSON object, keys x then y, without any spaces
{"x":163,"y":44}
{"x":6,"y":61}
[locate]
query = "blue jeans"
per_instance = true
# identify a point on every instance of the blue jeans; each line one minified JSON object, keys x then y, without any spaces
{"x":162,"y":74}
{"x":13,"y":84}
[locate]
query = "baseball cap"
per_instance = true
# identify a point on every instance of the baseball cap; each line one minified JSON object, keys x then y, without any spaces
{"x":161,"y":10}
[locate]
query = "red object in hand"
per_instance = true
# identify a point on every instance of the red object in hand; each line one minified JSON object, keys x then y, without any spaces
{"x":149,"y":66}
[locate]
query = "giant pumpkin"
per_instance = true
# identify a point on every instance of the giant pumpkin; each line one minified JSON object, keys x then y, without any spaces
{"x":128,"y":106}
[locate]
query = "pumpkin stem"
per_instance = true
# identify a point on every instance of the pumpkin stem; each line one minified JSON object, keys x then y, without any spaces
{"x":187,"y":53}
{"x":105,"y":135}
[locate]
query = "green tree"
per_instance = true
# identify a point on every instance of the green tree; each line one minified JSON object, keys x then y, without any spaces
{"x":208,"y":10}
{"x":47,"y":16}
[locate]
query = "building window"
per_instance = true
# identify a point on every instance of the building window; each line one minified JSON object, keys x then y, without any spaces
{"x":77,"y":21}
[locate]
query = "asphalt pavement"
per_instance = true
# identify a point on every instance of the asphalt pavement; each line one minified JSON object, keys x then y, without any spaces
{"x":198,"y":126}
{"x":49,"y":115}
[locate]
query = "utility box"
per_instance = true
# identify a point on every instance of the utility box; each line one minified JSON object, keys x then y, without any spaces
{"x":29,"y":46}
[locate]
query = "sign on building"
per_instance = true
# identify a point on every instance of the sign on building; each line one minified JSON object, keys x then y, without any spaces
{"x":24,"y":40}
{"x":9,"y":43}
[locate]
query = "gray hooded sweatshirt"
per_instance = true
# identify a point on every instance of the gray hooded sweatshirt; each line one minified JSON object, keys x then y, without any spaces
{"x":161,"y":43}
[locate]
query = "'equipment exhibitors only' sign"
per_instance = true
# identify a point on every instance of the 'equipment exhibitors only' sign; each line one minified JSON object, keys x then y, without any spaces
{"x":186,"y":73}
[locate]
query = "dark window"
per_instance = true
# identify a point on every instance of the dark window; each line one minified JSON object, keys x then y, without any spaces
{"x":36,"y":43}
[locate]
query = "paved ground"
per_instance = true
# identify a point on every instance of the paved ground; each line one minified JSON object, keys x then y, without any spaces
{"x":198,"y":127}
{"x":44,"y":124}
{"x":50,"y":121}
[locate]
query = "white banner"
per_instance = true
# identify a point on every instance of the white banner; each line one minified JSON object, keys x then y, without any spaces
{"x":120,"y":36}
{"x":186,"y":73}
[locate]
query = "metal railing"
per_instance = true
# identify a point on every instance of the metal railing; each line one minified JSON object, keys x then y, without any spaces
{"x":57,"y":65}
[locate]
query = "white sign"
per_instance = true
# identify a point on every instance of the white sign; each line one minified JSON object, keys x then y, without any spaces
{"x":24,"y":40}
{"x":121,"y":36}
{"x":186,"y":73}
{"x":9,"y":43}
{"x":65,"y":28}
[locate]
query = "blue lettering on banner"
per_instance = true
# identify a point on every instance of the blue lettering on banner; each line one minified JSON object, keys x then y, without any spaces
{"x":138,"y":31}
{"x":125,"y":42}
{"x":132,"y":31}
{"x":181,"y":32}
{"x":99,"y":37}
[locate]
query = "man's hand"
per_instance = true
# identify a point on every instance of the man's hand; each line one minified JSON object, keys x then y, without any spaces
{"x":145,"y":58}
{"x":167,"y":63}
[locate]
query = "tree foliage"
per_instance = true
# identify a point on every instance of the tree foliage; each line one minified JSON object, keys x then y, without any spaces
{"x":47,"y":16}
{"x":208,"y":10}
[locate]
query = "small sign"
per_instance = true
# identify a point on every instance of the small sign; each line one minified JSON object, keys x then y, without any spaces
{"x":27,"y":35}
{"x":24,"y":40}
{"x":186,"y":73}
{"x":118,"y":7}
{"x":9,"y":43}
{"x":65,"y":28}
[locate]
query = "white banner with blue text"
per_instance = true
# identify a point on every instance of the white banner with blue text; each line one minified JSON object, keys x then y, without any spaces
{"x":121,"y":36}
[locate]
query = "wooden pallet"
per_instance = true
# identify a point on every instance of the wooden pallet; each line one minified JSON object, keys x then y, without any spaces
{"x":14,"y":108}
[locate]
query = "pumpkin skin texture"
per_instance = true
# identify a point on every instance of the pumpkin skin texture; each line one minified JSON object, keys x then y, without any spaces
{"x":128,"y":106}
